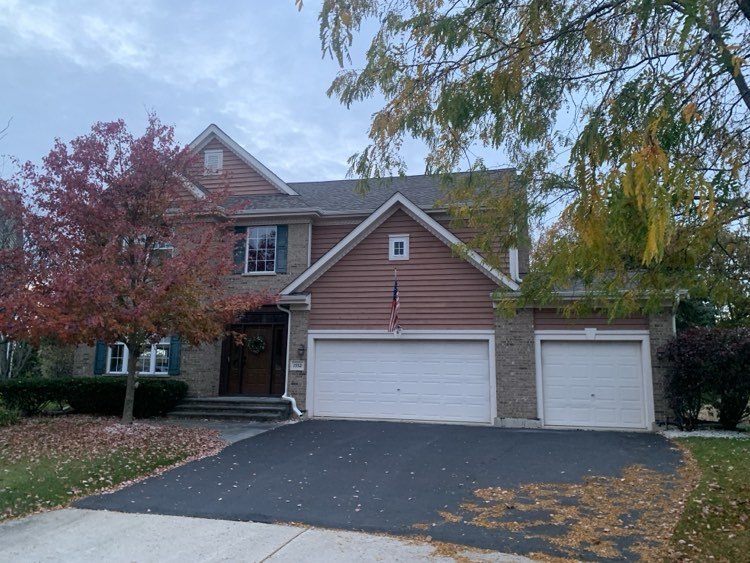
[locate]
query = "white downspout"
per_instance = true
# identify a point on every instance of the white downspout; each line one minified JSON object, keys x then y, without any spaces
{"x":286,"y":395}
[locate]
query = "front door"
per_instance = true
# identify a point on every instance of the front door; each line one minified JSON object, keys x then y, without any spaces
{"x":254,"y":364}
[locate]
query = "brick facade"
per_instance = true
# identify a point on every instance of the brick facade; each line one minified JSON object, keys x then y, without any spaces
{"x":515,"y":367}
{"x":661,"y":330}
{"x":298,"y":379}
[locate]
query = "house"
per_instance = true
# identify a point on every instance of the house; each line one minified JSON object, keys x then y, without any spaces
{"x":332,"y":255}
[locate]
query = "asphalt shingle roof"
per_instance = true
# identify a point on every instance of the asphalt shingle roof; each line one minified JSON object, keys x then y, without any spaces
{"x":341,"y":196}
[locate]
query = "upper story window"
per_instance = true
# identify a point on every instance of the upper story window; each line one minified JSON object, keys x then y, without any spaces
{"x":213,"y":161}
{"x":398,"y":247}
{"x":261,"y":250}
{"x":154,"y":358}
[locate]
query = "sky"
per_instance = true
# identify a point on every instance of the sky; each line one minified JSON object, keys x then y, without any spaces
{"x":252,"y":67}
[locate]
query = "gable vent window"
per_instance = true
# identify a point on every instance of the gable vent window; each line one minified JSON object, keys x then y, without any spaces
{"x":213,"y":161}
{"x":398,"y":247}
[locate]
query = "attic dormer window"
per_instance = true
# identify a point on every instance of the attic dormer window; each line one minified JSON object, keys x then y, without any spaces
{"x":213,"y":161}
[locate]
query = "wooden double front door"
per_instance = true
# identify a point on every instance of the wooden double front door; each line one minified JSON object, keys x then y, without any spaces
{"x":254,"y":364}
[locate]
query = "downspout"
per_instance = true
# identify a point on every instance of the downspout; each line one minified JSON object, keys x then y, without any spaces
{"x":286,"y":395}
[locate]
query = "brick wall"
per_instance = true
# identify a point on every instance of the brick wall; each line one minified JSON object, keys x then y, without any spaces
{"x":200,"y":367}
{"x":83,"y":361}
{"x":661,"y":331}
{"x":296,"y":264}
{"x":298,"y":379}
{"x":515,"y":366}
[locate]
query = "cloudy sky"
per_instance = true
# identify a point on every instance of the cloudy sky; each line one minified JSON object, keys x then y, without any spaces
{"x":253,"y":67}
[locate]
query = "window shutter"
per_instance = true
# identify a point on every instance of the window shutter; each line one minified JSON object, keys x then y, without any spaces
{"x":100,"y":358}
{"x":282,"y":238}
{"x":240,"y":248}
{"x":175,"y":347}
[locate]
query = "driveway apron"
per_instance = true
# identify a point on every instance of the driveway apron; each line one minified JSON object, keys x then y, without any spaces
{"x":402,"y":478}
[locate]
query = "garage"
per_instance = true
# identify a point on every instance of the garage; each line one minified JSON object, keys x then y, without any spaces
{"x":399,"y":379}
{"x":593,"y":384}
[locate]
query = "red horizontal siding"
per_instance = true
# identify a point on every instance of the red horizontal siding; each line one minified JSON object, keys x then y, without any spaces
{"x":466,"y":234}
{"x":325,"y":237}
{"x":551,"y":319}
{"x":437,"y":290}
{"x":241,"y":178}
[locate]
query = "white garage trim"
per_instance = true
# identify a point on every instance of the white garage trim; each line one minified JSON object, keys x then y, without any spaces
{"x":595,"y":335}
{"x":487,"y":336}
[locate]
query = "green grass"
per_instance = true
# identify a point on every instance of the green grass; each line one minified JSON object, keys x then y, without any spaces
{"x":715,"y":525}
{"x":48,"y":462}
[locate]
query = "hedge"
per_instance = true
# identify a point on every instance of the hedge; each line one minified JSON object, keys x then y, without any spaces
{"x":93,"y":395}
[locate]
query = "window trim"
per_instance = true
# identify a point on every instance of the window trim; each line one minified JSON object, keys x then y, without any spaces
{"x":219,"y":154}
{"x":392,"y":240}
{"x":248,"y":229}
{"x":152,"y":360}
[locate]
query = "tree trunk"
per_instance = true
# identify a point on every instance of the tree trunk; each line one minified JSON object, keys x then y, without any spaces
{"x":134,"y":351}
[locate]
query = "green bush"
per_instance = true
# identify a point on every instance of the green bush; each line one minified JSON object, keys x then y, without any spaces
{"x":94,"y":395}
{"x":8,"y":415}
{"x":709,"y":366}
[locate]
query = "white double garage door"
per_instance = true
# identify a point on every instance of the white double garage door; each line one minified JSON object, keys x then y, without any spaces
{"x":403,"y":378}
{"x":580,"y":383}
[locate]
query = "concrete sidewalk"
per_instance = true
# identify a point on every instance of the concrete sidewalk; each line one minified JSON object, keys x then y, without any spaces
{"x":93,"y":535}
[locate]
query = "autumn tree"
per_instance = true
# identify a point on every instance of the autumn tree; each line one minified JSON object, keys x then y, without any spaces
{"x":117,"y":247}
{"x":627,"y":119}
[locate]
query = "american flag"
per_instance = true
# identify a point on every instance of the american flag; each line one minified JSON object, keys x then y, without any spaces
{"x":393,"y":322}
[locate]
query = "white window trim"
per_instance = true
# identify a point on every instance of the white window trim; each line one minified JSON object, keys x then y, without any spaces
{"x":392,"y":240}
{"x":126,"y":354}
{"x":247,"y":249}
{"x":207,"y":156}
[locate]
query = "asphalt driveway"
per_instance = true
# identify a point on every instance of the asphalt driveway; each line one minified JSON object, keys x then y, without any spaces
{"x":589,"y":495}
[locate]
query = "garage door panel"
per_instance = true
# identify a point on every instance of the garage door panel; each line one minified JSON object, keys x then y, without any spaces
{"x":410,"y":380}
{"x":593,"y":384}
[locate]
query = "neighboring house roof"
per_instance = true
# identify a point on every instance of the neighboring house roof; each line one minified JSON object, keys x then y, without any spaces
{"x":366,"y":227}
{"x":213,"y":131}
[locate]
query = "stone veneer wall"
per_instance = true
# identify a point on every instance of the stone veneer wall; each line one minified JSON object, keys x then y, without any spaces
{"x":661,"y":329}
{"x":515,"y":368}
{"x":297,"y":387}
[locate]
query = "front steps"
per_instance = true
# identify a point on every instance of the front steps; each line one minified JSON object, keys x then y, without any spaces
{"x":261,"y":409}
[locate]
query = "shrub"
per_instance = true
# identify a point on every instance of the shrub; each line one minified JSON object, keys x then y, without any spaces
{"x":687,"y":355}
{"x":8,"y":415}
{"x":94,"y":395}
{"x":709,"y":365}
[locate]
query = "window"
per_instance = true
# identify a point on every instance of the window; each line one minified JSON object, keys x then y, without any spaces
{"x":153,"y":360}
{"x":213,"y":161}
{"x":261,"y":250}
{"x":398,"y":247}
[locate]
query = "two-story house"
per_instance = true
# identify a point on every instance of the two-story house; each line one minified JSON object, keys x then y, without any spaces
{"x":332,"y":254}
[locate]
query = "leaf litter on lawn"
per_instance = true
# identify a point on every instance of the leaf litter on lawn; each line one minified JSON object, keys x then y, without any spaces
{"x":48,"y":462}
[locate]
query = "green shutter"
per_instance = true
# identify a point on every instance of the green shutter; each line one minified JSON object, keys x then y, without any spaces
{"x":100,"y":358}
{"x":175,"y":348}
{"x":240,"y":248}
{"x":282,"y":242}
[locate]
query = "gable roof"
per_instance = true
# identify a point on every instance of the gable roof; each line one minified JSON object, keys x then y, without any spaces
{"x":378,"y":217}
{"x":213,"y":131}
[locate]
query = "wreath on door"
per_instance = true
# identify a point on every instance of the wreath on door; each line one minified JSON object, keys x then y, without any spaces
{"x":256,"y":344}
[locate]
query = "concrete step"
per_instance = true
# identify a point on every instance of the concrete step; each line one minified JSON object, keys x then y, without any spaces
{"x":233,"y":408}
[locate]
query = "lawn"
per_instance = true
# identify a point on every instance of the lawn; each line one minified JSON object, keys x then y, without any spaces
{"x":48,"y":462}
{"x":715,"y":525}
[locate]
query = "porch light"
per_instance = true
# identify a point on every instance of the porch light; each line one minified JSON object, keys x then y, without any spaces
{"x":301,"y":351}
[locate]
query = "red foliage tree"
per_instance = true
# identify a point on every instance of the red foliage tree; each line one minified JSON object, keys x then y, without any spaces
{"x":117,"y":247}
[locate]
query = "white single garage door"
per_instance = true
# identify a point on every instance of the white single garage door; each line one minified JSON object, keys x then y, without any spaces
{"x":430,"y":380}
{"x":593,"y":384}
